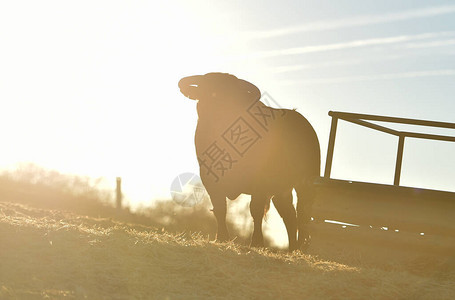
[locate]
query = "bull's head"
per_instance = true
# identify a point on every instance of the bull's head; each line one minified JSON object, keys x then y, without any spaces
{"x":218,"y":86}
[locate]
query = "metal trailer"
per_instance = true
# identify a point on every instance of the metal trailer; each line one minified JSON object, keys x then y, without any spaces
{"x":379,"y":214}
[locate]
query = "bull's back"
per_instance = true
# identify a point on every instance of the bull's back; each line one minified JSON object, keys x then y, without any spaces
{"x":272,"y":158}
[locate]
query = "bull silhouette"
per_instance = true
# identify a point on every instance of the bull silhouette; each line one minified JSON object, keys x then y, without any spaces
{"x":245,"y":146}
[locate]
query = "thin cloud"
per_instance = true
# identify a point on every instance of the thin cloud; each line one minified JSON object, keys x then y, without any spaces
{"x":349,"y":45}
{"x":328,"y":64}
{"x":355,"y":22}
{"x":438,"y":43}
{"x":348,"y":62}
{"x":432,"y":73}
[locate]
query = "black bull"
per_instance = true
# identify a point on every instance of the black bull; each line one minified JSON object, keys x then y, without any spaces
{"x":244,"y":146}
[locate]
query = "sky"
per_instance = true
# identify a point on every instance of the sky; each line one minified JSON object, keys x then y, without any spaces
{"x":90,"y":87}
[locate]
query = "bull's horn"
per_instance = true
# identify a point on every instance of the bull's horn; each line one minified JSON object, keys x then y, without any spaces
{"x":188,"y":86}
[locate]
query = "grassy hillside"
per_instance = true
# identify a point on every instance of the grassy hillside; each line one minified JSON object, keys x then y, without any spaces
{"x":54,"y":254}
{"x":48,"y":189}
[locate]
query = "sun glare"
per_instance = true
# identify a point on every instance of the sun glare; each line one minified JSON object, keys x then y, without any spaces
{"x":114,"y":109}
{"x":100,"y":97}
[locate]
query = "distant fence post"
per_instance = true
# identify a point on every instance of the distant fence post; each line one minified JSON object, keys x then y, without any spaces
{"x":118,"y":194}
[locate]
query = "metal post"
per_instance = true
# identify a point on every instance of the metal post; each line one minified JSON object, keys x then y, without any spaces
{"x":118,"y":194}
{"x":328,"y":162}
{"x":396,"y":181}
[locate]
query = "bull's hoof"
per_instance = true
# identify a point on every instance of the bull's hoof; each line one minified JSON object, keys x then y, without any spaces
{"x":221,"y":238}
{"x":304,"y":243}
{"x":257,"y":240}
{"x":257,"y":243}
{"x":293,"y":248}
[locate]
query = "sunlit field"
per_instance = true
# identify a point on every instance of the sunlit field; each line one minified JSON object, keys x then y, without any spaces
{"x":58,"y":243}
{"x":58,"y":254}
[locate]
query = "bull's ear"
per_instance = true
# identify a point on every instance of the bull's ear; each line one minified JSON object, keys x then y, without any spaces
{"x":249,"y":90}
{"x":189,"y":86}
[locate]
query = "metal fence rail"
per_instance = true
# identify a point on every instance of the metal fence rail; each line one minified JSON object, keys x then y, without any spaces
{"x":362,"y":119}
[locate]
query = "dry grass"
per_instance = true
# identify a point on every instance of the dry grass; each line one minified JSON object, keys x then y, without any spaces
{"x":57,"y":240}
{"x":52,"y":254}
{"x":38,"y":187}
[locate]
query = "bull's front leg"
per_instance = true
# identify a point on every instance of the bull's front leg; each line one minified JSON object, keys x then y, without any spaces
{"x":257,"y":209}
{"x":219,"y":210}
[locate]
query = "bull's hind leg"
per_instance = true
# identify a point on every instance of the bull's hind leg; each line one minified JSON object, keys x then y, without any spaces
{"x":305,"y":199}
{"x":219,"y":210}
{"x":284,"y":206}
{"x":257,"y":208}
